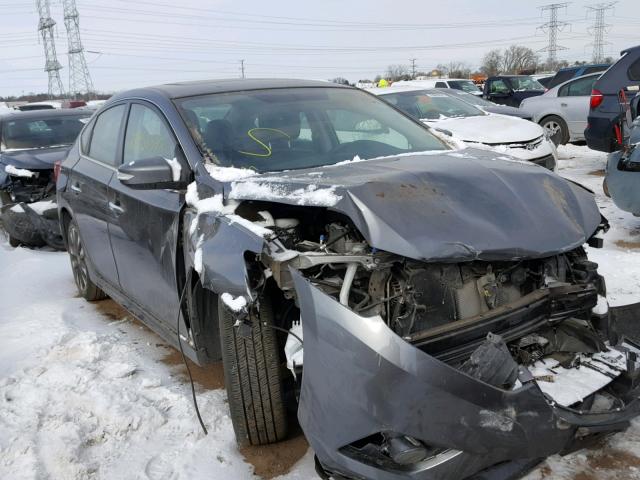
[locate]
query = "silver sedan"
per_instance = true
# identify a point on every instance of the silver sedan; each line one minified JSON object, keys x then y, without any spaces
{"x":563,"y":110}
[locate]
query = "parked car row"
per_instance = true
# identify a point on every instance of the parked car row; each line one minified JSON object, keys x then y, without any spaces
{"x":428,"y":310}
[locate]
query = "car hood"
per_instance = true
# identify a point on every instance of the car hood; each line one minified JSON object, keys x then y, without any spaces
{"x":491,"y":129}
{"x":452,"y":206}
{"x":39,"y":159}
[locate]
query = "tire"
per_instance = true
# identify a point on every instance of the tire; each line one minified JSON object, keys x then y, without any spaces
{"x":252,"y":377}
{"x":556,"y":128}
{"x":14,"y":242}
{"x":89,"y":290}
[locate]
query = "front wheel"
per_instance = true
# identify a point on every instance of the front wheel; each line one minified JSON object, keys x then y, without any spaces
{"x":89,"y":290}
{"x":556,"y":129}
{"x":252,"y":376}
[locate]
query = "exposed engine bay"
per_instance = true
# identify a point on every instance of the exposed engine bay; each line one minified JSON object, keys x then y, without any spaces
{"x":488,"y":319}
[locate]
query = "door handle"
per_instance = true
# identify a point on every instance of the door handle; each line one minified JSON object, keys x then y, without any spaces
{"x":75,"y":187}
{"x":117,"y":209}
{"x":563,"y":105}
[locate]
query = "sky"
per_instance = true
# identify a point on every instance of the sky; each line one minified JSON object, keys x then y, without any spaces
{"x":131,"y":43}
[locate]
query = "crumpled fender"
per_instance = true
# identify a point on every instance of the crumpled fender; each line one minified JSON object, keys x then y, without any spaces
{"x":222,"y":244}
{"x":362,"y":377}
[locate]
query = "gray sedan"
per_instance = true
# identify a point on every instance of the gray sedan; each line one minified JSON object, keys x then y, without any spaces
{"x":563,"y":110}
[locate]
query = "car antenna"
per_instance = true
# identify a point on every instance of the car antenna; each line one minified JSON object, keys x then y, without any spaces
{"x":184,"y":358}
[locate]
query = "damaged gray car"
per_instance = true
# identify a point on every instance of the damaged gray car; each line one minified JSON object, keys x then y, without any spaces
{"x":427,"y":313}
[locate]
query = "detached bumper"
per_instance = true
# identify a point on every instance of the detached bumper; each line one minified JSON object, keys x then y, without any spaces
{"x":34,"y":225}
{"x":361,"y":379}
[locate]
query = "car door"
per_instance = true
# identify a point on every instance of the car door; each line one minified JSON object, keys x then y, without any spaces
{"x":498,"y":91}
{"x":573,"y":98}
{"x":88,"y":185}
{"x":144,"y":235}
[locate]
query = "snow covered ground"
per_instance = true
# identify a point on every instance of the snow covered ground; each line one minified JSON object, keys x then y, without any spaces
{"x":87,"y":393}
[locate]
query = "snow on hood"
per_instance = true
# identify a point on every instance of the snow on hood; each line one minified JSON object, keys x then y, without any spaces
{"x":491,"y":128}
{"x":455,"y":206}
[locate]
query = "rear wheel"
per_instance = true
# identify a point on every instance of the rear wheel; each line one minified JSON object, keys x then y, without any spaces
{"x":252,"y":376}
{"x":556,"y":129}
{"x":89,"y":290}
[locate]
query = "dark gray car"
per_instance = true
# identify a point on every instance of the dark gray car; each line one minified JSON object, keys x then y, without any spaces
{"x":426,"y":311}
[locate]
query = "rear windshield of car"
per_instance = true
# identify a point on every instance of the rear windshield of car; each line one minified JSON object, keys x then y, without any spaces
{"x":431,"y":105}
{"x":464,"y":85}
{"x":520,"y":84}
{"x":47,"y":132}
{"x":280,"y":129}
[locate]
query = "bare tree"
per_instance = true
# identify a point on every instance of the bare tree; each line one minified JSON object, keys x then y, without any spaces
{"x":455,"y":69}
{"x":398,"y":72}
{"x":518,"y":58}
{"x":492,"y":63}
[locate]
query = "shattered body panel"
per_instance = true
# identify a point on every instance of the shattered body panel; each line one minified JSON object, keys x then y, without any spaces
{"x":422,"y":207}
{"x":391,"y":385}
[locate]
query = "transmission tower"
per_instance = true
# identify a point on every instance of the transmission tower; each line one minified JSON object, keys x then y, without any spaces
{"x":553,"y":26}
{"x":79,"y":77}
{"x":51,"y":64}
{"x":598,"y":30}
{"x":413,"y":68}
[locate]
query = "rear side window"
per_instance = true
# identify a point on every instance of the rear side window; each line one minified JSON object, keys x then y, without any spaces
{"x":441,"y":85}
{"x":578,"y":88}
{"x":104,"y":142}
{"x":147,"y":135}
{"x":634,"y":70}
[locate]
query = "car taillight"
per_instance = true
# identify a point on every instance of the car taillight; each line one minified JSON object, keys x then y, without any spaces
{"x":596,"y":98}
{"x":57,"y":166}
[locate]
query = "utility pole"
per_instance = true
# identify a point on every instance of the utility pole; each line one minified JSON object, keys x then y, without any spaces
{"x":242,"y":67}
{"x":413,"y":68}
{"x":79,"y":77}
{"x":553,"y":26}
{"x":51,"y":64}
{"x":598,"y":30}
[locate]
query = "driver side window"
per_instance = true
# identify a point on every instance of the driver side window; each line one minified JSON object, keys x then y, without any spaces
{"x":147,"y":136}
{"x":498,"y":86}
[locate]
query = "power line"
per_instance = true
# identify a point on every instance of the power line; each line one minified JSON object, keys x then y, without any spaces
{"x":599,"y":28}
{"x":553,"y":26}
{"x":79,"y":77}
{"x":52,"y":65}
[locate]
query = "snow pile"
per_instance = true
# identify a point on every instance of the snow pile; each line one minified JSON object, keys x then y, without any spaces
{"x":228,"y":174}
{"x":311,"y":195}
{"x":42,"y":206}
{"x":235,"y":304}
{"x":18,"y":172}
{"x":251,"y":226}
{"x":213,"y":204}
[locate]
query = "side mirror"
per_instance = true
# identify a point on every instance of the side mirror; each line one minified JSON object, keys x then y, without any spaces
{"x":152,"y":174}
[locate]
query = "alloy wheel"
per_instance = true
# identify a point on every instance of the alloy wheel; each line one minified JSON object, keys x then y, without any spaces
{"x":78,"y":260}
{"x":554,"y":131}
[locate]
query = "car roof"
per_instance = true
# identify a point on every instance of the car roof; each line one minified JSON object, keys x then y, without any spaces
{"x":204,"y":87}
{"x":44,"y":113}
{"x":578,"y":67}
{"x":630,"y":49}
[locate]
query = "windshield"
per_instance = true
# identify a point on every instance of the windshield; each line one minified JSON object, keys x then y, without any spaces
{"x":431,"y":105}
{"x":464,"y":85}
{"x":281,"y":129}
{"x":520,"y":84}
{"x":30,"y":133}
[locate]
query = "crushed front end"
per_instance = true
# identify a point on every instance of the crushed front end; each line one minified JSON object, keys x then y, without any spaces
{"x":424,"y":370}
